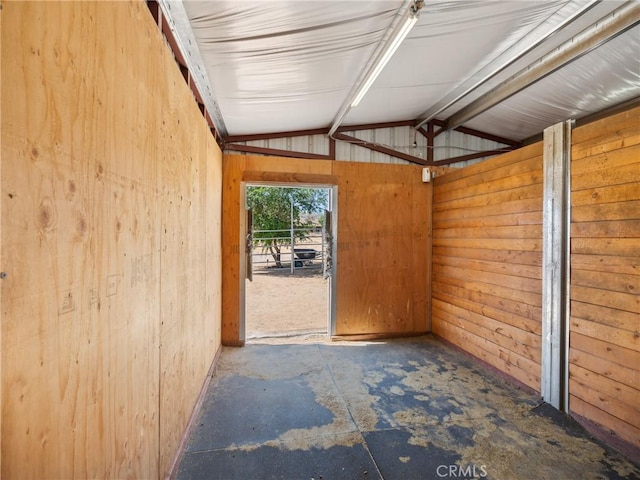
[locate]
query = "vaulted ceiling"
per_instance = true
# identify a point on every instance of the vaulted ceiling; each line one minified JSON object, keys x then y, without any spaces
{"x":508,"y":68}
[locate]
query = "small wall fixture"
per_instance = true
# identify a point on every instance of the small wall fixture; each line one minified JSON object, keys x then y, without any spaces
{"x":393,"y":45}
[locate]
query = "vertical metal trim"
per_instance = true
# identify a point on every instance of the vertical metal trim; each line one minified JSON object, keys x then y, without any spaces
{"x":243,"y":265}
{"x":292,"y":237}
{"x":431,"y":187}
{"x":568,"y":126}
{"x":554,"y":265}
{"x":248,"y":244}
{"x":333,"y":279}
{"x":547,"y":261}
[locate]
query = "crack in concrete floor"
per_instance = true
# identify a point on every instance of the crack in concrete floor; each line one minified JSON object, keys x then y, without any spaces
{"x":396,"y":409}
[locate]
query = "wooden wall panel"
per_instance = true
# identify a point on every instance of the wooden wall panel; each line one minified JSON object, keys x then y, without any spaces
{"x":383,"y":249}
{"x":604,"y":350}
{"x":190,"y":233}
{"x":94,"y":169}
{"x":383,"y":242}
{"x":233,"y":171}
{"x":487,"y":243}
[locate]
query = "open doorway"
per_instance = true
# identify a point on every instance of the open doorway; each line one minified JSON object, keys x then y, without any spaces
{"x":288,"y":260}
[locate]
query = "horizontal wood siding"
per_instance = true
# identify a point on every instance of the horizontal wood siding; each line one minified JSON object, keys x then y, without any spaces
{"x":604,"y":350}
{"x":487,"y":243}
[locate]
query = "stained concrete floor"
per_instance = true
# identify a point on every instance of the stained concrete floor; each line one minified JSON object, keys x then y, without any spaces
{"x":398,"y":409}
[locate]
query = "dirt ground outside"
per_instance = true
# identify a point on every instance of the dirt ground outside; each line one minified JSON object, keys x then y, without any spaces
{"x":279,"y":303}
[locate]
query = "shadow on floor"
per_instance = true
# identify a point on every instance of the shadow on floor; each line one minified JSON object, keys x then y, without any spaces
{"x":397,"y":409}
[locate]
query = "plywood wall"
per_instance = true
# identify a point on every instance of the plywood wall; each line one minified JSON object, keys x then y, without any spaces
{"x":487,"y":243}
{"x":383,"y":255}
{"x":110,"y":239}
{"x":235,"y":167}
{"x":383,"y":261}
{"x":604,"y":354}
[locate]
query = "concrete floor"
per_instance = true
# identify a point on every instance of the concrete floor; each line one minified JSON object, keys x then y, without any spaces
{"x":398,"y":409}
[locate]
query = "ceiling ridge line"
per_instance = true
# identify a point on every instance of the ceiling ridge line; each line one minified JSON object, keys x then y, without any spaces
{"x":385,"y":42}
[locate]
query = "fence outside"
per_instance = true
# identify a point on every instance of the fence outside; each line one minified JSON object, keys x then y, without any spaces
{"x":294,"y":252}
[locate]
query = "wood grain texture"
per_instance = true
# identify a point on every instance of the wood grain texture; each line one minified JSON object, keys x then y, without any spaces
{"x":188,"y":336}
{"x":104,"y":237}
{"x":605,"y":279}
{"x":383,"y":249}
{"x":235,"y":170}
{"x":604,"y":419}
{"x":383,"y":266}
{"x":1,"y":263}
{"x":497,"y":163}
{"x":285,"y":177}
{"x":487,"y":276}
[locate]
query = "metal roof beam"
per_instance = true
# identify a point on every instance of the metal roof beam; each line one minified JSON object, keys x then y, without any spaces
{"x":180,"y":28}
{"x":271,"y":136}
{"x":367,"y":126}
{"x":382,"y":46}
{"x":516,"y":52}
{"x":607,"y":28}
{"x":477,"y":133}
{"x":380,"y":149}
{"x":316,"y":131}
{"x":339,"y":135}
{"x":275,"y":151}
{"x":472,"y":156}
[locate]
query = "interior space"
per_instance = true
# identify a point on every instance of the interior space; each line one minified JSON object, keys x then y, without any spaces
{"x":480,"y":249}
{"x":389,"y":409}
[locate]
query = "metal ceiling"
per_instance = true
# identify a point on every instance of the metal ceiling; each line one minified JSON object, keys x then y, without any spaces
{"x":507,"y":68}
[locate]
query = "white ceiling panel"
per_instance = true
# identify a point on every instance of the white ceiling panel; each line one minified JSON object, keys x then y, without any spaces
{"x":595,"y":81}
{"x":278,"y":66}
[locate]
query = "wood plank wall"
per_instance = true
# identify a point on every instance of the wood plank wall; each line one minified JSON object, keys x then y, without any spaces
{"x":111,"y":193}
{"x":383,"y":241}
{"x":487,"y":243}
{"x":604,"y":350}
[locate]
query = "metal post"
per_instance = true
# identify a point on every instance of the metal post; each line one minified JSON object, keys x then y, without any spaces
{"x":557,"y":151}
{"x":324,"y":230}
{"x":293,"y":262}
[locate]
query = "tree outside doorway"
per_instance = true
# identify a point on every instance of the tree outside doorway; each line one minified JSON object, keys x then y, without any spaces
{"x":288,"y":294}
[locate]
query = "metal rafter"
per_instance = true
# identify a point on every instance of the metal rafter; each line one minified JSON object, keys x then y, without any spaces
{"x":514,"y":53}
{"x":607,"y":28}
{"x":178,"y":22}
{"x":391,"y":32}
{"x":231,"y":142}
{"x":276,"y":152}
{"x":381,"y":149}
